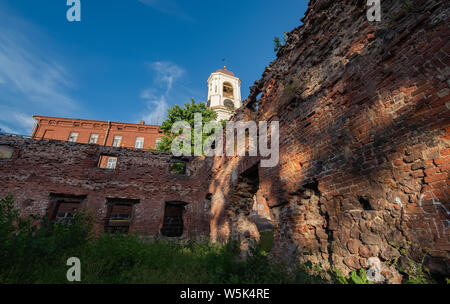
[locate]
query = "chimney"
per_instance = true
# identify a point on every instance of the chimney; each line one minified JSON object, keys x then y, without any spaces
{"x":142,"y":122}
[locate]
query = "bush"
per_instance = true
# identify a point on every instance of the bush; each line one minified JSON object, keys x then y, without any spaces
{"x":32,"y":250}
{"x":29,"y":245}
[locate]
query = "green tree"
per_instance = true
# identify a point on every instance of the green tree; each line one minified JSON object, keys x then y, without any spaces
{"x":277,"y":44}
{"x":186,"y":113}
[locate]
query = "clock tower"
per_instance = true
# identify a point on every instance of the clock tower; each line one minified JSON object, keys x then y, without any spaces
{"x":224,"y":93}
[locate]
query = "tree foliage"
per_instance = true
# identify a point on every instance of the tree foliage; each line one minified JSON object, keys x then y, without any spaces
{"x":186,"y":113}
{"x":277,"y":44}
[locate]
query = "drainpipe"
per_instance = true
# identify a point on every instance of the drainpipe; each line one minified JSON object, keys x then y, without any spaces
{"x":107,"y":133}
{"x":35,"y":127}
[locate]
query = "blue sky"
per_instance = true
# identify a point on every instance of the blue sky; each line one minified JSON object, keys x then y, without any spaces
{"x":129,"y":60}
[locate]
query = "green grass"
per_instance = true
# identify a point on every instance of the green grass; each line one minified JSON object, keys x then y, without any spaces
{"x":34,"y":251}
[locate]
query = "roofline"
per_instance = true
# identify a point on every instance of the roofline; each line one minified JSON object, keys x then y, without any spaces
{"x":225,"y":75}
{"x":90,"y":120}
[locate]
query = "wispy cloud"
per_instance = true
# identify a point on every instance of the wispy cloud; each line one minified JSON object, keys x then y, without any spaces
{"x":15,"y":122}
{"x":169,"y":7}
{"x":166,"y":74}
{"x":157,"y":107}
{"x":30,"y":79}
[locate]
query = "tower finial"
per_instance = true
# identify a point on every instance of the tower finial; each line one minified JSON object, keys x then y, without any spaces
{"x":224,"y":67}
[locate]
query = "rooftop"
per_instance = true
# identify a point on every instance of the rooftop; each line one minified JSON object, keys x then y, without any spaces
{"x":225,"y":71}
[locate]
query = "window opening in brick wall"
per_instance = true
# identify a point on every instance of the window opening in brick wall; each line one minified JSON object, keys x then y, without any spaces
{"x":93,"y":139}
{"x":178,"y":167}
{"x":173,"y":219}
{"x":6,"y":152}
{"x":139,"y":143}
{"x":63,"y":207}
{"x":119,"y":215}
{"x":73,"y":137}
{"x":108,"y":162}
{"x":117,"y":141}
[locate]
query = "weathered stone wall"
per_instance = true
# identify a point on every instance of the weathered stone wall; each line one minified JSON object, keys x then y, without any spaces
{"x":364,"y":138}
{"x":364,"y":149}
{"x":41,"y":168}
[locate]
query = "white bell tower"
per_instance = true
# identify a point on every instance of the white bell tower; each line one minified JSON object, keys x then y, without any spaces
{"x":224,"y":93}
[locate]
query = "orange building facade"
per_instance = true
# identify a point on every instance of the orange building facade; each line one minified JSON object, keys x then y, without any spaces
{"x":105,"y":133}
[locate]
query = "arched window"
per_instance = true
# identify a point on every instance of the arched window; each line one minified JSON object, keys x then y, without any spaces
{"x":228,"y":103}
{"x":228,"y":90}
{"x":208,"y":104}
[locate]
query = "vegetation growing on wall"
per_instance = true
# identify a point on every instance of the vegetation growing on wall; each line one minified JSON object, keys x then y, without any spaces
{"x":35,"y":251}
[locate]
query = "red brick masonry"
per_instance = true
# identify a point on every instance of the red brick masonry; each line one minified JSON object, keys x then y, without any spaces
{"x":364,"y":112}
{"x":44,"y":172}
{"x":60,"y":128}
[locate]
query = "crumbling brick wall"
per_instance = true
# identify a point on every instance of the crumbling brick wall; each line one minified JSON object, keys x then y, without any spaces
{"x":40,"y":172}
{"x":364,"y":116}
{"x":364,"y":149}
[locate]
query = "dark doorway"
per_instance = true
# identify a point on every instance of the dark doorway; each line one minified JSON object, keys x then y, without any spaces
{"x":243,"y":197}
{"x":173,"y":219}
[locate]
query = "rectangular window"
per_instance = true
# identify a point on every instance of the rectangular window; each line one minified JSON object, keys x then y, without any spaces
{"x":63,"y":207}
{"x":117,"y":141}
{"x":119,"y":219}
{"x":139,"y":143}
{"x":73,"y":137}
{"x":112,"y":163}
{"x":107,"y":162}
{"x":66,"y":212}
{"x":178,"y":167}
{"x":93,"y":139}
{"x":119,"y":215}
{"x":6,"y":152}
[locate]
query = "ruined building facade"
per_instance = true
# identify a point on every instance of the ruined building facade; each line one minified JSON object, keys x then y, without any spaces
{"x":140,"y":194}
{"x":364,"y":115}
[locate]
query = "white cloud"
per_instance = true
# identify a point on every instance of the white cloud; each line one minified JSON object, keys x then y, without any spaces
{"x":22,"y":122}
{"x":169,"y":7}
{"x":166,"y":74}
{"x":40,"y":79}
{"x":6,"y":129}
{"x":156,"y":110}
{"x":32,"y":81}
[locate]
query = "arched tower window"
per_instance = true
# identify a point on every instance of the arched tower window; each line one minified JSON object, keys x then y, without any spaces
{"x":228,"y":90}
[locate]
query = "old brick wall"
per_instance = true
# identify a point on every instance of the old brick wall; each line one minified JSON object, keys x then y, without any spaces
{"x":364,"y":138}
{"x":39,"y":170}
